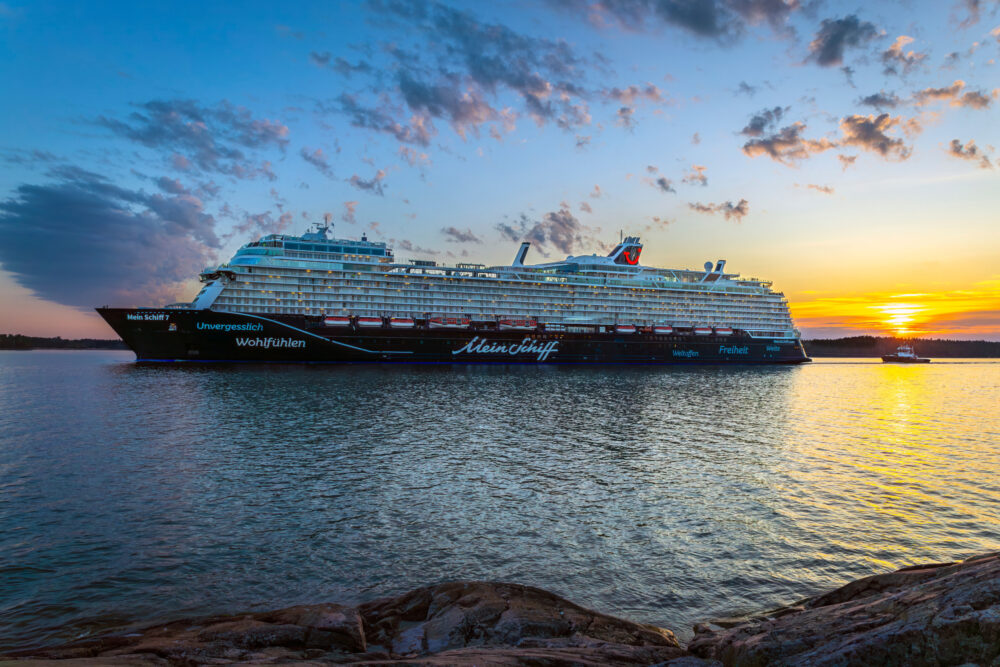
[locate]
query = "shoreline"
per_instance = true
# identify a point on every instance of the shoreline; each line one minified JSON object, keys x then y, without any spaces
{"x":941,"y":613}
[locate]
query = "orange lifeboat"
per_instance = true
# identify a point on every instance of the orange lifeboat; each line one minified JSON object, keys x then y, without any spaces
{"x":369,"y":321}
{"x":337,"y":321}
{"x":625,"y":328}
{"x":663,"y":329}
{"x":517,"y":325}
{"x":703,"y":331}
{"x":448,"y":322}
{"x":401,"y":322}
{"x":723,"y":331}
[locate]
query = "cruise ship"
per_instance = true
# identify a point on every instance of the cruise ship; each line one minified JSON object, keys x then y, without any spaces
{"x":314,"y":298}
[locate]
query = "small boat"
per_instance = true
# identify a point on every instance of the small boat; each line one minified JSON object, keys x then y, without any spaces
{"x":517,"y":325}
{"x":337,"y":321}
{"x":448,"y":322}
{"x":369,"y":321}
{"x":723,"y":331}
{"x":703,"y":331}
{"x":904,"y":355}
{"x":663,"y":329}
{"x":401,"y":322}
{"x":625,"y":328}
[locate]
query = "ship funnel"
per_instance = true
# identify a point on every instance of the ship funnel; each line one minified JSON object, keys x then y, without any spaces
{"x":519,"y":257}
{"x":720,"y":265}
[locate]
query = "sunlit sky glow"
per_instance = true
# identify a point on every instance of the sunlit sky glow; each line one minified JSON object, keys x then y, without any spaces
{"x":846,"y":152}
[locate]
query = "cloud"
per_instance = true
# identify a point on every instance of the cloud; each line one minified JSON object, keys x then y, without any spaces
{"x":721,"y":20}
{"x":973,"y":99}
{"x":696,"y":176}
{"x":633,"y":94}
{"x":456,"y":235}
{"x":624,"y":118}
{"x":210,"y":138}
{"x":746,"y":89}
{"x":825,"y":189}
{"x":836,"y":35}
{"x":557,"y":229}
{"x":695,"y":138}
{"x":317,"y":158}
{"x":32,"y":158}
{"x":585,"y":207}
{"x":727,"y":209}
{"x":262,"y":223}
{"x":171,"y":185}
{"x":582,"y":141}
{"x":664,"y":184}
{"x":350,"y":208}
{"x":82,"y":241}
{"x":418,"y":131}
{"x":970,"y":152}
{"x":869,"y":133}
{"x":409,"y":246}
{"x":761,"y":121}
{"x":787,"y":145}
{"x":847,"y":160}
{"x":881,"y":100}
{"x":897,"y":61}
{"x":972,"y":8}
{"x":320,"y":59}
{"x":373,"y":185}
{"x":412,"y":157}
{"x":465,"y":108}
{"x":596,"y":192}
{"x":286,"y":31}
{"x":464,"y":64}
{"x":338,"y":64}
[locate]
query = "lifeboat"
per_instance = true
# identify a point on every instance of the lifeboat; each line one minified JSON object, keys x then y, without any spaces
{"x":517,"y":325}
{"x":401,"y":322}
{"x":337,"y":321}
{"x":369,"y":321}
{"x":448,"y":322}
{"x":663,"y":329}
{"x":723,"y":331}
{"x":702,"y":331}
{"x":625,"y":328}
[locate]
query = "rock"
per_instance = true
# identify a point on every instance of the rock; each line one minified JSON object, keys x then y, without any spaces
{"x":942,"y":614}
{"x":461,"y":623}
{"x":925,"y":615}
{"x":446,"y":618}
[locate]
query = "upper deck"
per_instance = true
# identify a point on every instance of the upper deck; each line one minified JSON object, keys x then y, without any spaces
{"x":315,"y":250}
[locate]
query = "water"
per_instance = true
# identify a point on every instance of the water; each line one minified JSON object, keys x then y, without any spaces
{"x":667,"y":495}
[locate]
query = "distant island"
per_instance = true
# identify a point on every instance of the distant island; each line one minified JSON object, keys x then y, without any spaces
{"x":876,"y":346}
{"x":19,"y":342}
{"x":854,"y":346}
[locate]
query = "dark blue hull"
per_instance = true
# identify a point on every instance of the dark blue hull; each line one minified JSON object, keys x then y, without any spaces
{"x":181,"y":335}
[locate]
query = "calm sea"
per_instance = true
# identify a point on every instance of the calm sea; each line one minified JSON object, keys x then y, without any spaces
{"x":667,"y":495}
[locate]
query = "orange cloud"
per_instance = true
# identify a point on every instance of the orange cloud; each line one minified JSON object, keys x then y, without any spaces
{"x":968,"y":312}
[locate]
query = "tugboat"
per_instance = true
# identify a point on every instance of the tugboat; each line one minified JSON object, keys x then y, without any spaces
{"x":904,"y":355}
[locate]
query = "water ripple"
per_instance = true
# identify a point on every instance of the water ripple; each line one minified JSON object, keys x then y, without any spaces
{"x":668,"y":495}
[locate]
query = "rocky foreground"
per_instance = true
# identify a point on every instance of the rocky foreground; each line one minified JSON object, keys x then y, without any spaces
{"x":944,"y":614}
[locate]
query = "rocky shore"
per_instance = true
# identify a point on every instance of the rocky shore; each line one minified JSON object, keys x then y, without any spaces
{"x":940,"y":614}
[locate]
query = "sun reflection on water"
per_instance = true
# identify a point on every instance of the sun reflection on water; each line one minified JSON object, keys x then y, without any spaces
{"x":901,"y":463}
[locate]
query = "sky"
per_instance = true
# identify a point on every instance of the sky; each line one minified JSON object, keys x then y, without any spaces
{"x":847,"y":152}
